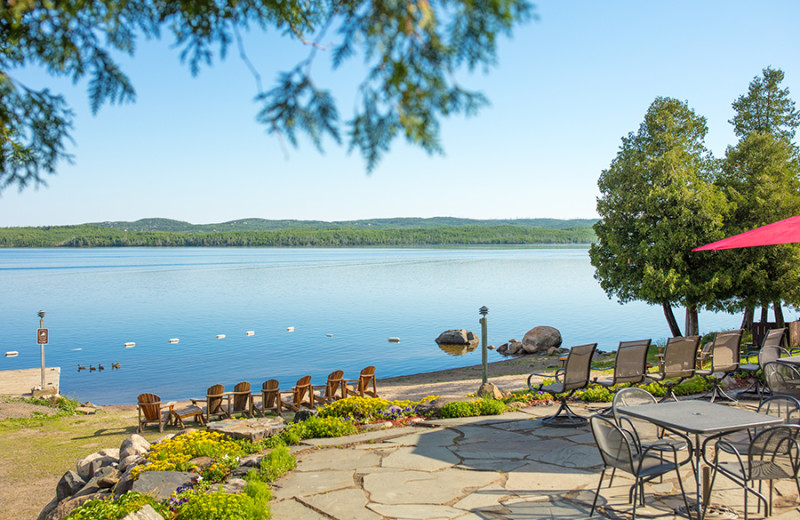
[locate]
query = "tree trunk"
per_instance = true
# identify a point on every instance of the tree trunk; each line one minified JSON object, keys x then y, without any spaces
{"x":692,"y":327}
{"x":764,"y":313}
{"x":776,"y":308}
{"x":673,"y":323}
{"x":747,"y":319}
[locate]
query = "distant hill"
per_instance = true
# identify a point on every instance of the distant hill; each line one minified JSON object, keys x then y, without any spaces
{"x":398,"y":232}
{"x":259,"y":224}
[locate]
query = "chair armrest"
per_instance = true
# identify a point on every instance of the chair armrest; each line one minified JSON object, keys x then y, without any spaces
{"x":555,"y":375}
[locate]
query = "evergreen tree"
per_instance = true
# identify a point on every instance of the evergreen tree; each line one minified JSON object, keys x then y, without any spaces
{"x":760,"y":176}
{"x":657,"y":202}
{"x":766,"y":108}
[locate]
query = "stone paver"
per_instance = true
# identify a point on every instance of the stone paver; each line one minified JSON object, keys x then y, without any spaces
{"x":508,"y":467}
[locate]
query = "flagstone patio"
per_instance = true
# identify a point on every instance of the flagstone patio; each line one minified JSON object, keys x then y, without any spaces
{"x":500,"y":467}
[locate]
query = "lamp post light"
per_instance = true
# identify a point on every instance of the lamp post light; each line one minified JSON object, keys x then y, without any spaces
{"x":483,"y":311}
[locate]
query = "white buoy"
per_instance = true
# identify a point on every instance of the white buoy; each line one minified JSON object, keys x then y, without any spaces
{"x":290,"y":329}
{"x":394,"y":340}
{"x":76,"y":349}
{"x":129,"y":344}
{"x":250,"y":333}
{"x":220,"y":336}
{"x":174,"y":340}
{"x":12,"y":353}
{"x":329,"y":335}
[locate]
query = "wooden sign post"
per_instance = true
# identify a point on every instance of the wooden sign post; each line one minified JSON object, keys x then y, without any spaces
{"x":41,"y":338}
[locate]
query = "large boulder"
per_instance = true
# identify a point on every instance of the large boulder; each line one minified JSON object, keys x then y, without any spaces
{"x":89,"y":465}
{"x":457,"y":337}
{"x":69,"y":484}
{"x":540,"y":339}
{"x":161,"y":484}
{"x":133,"y":445}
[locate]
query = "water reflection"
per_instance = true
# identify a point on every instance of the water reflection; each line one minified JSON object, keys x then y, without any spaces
{"x":458,"y":350}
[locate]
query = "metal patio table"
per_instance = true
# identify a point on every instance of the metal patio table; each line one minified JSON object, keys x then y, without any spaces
{"x":699,"y":418}
{"x":792,"y":360}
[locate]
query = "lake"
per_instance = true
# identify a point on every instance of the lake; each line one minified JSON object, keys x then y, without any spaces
{"x":344,"y":305}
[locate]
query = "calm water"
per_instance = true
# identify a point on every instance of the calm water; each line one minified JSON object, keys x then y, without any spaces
{"x":98,"y":299}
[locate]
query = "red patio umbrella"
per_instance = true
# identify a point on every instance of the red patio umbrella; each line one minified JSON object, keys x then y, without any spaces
{"x":785,"y":231}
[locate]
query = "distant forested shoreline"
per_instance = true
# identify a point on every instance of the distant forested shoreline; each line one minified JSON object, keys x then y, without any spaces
{"x":263,"y":233}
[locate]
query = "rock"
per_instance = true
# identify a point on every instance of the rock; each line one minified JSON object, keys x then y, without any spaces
{"x":553,"y":351}
{"x":105,"y":474}
{"x":232,"y":486}
{"x":125,"y":483}
{"x":202,"y":462}
{"x":514,"y":347}
{"x":541,"y":338}
{"x":302,"y":415}
{"x":64,"y":508}
{"x":161,"y":484}
{"x":130,"y":461}
{"x":145,"y":513}
{"x":133,"y":445}
{"x":251,"y":461}
{"x":90,"y":464}
{"x":491,"y":390}
{"x":69,"y":484}
{"x":502,"y":349}
{"x":49,"y":508}
{"x":256,"y":429}
{"x":457,"y":337}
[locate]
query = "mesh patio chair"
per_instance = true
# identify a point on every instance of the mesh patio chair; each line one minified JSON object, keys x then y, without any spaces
{"x":574,"y":376}
{"x":649,"y":435}
{"x":771,"y":350}
{"x":725,"y":351}
{"x":630,"y":363}
{"x":773,"y":454}
{"x":620,"y":449}
{"x":782,"y":379}
{"x":677,"y":364}
{"x":784,"y":406}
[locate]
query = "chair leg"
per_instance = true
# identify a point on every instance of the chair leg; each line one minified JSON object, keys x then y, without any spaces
{"x":565,"y":417}
{"x":597,"y":493}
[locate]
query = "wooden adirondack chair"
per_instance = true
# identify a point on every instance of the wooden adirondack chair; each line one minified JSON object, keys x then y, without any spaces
{"x":302,"y":395}
{"x":151,"y":410}
{"x":366,"y":379}
{"x":333,"y":389}
{"x":271,"y":397}
{"x":242,"y":399}
{"x":213,"y":400}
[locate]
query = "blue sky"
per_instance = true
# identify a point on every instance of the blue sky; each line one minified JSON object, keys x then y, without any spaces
{"x":566,"y":89}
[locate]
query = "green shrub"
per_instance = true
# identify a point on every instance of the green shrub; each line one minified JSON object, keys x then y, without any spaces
{"x":459,"y":409}
{"x":107,"y":509}
{"x":277,"y":462}
{"x":318,"y":427}
{"x":596,"y":394}
{"x":253,"y":504}
{"x":488,"y":406}
{"x":366,"y":409}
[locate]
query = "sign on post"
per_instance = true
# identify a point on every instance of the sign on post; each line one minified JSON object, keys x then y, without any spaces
{"x":41,"y":336}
